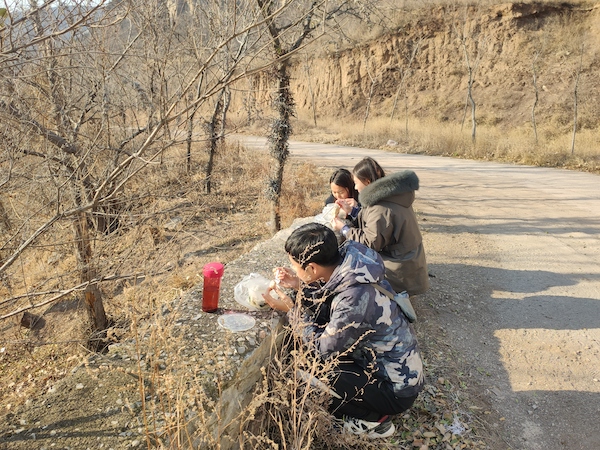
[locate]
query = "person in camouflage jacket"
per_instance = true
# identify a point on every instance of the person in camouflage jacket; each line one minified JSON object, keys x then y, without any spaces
{"x":378,"y":366}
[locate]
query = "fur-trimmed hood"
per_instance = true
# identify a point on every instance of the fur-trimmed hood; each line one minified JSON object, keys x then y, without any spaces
{"x":398,"y":187}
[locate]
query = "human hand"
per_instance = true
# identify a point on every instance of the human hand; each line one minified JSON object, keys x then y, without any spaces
{"x":337,"y":224}
{"x":346,"y":204}
{"x":282,"y":302}
{"x":286,"y":277}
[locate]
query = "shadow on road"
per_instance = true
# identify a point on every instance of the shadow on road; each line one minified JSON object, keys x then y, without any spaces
{"x":517,"y":225}
{"x":529,"y":350}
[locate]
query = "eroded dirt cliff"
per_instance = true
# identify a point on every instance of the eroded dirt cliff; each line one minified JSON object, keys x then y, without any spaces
{"x":426,"y":63}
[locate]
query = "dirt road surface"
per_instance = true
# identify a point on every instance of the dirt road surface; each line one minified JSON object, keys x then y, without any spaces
{"x":525,"y":242}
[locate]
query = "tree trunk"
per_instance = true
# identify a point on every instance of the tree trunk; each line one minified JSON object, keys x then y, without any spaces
{"x":370,"y":97}
{"x":473,"y":118}
{"x":575,"y":104}
{"x":4,"y":219}
{"x":406,"y":115}
{"x":536,"y":98}
{"x":95,"y":307}
{"x":279,"y":140}
{"x":213,"y":138}
{"x":93,"y":296}
{"x":190,"y":132}
{"x":225,"y":109}
{"x":402,"y":86}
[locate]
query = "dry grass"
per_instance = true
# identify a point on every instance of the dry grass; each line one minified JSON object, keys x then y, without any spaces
{"x":552,"y":149}
{"x":170,"y":230}
{"x":182,"y":408}
{"x":305,"y":189}
{"x":285,"y":411}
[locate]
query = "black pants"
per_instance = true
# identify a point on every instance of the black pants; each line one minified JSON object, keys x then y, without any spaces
{"x":364,"y":396}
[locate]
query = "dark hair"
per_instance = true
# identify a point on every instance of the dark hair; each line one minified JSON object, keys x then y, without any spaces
{"x":343,"y":178}
{"x":313,"y":242}
{"x":367,"y":169}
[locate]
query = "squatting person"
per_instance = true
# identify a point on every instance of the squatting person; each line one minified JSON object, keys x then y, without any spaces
{"x":378,"y":368}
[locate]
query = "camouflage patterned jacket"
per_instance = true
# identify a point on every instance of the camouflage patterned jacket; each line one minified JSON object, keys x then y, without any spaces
{"x":363,"y":323}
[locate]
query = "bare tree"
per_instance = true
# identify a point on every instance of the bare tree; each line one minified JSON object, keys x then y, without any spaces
{"x":219,"y":20}
{"x":92,"y":97}
{"x":291,"y":26}
{"x":369,"y":96}
{"x":472,"y":45}
{"x":536,"y":93}
{"x":471,"y":70}
{"x":404,"y":73}
{"x":36,"y":45}
{"x":575,"y":95}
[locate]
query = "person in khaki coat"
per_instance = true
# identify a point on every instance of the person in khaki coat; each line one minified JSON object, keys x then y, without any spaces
{"x":386,"y":222}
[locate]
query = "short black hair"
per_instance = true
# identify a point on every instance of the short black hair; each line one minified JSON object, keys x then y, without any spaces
{"x":367,"y":169}
{"x":313,"y":242}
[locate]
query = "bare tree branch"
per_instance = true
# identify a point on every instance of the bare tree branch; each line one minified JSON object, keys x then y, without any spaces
{"x":61,"y":294}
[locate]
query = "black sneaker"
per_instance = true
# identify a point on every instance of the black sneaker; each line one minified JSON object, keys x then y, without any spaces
{"x":383,"y":428}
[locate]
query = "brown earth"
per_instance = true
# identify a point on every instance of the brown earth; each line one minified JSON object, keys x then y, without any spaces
{"x":503,"y":43}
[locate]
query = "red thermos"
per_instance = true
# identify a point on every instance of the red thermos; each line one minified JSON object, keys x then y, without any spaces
{"x":213,"y":272}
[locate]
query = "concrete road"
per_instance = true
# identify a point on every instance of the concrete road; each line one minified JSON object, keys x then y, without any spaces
{"x":527,"y":241}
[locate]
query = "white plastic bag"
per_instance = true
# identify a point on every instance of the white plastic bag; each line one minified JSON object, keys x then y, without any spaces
{"x":249,"y":292}
{"x":330,"y":211}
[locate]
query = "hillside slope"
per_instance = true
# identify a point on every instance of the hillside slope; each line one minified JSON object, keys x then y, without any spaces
{"x":501,"y":45}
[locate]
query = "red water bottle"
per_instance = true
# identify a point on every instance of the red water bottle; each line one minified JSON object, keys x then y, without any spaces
{"x":212,"y":285}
